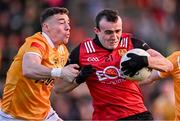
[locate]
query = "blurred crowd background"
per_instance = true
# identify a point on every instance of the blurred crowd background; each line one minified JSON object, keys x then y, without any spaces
{"x":155,"y":21}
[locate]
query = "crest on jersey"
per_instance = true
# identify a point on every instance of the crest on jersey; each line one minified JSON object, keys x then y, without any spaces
{"x":122,"y":51}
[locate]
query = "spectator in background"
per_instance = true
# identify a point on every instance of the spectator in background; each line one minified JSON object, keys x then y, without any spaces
{"x":163,"y":106}
{"x":38,"y":64}
{"x":2,"y":47}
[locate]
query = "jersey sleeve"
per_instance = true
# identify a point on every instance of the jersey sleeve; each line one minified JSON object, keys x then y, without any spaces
{"x":74,"y":56}
{"x":37,"y":47}
{"x":140,"y":44}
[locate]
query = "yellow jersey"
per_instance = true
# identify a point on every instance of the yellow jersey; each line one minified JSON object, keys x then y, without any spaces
{"x":25,"y":98}
{"x":175,"y":74}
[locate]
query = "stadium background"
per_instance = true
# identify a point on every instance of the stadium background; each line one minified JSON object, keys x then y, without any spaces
{"x":155,"y":21}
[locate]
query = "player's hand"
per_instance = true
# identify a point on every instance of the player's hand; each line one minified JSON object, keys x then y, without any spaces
{"x":85,"y":72}
{"x":69,"y":72}
{"x":134,"y":64}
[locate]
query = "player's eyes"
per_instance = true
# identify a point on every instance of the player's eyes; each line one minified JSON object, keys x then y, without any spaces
{"x":61,"y":22}
{"x":108,"y":32}
{"x":117,"y":31}
{"x":64,"y":22}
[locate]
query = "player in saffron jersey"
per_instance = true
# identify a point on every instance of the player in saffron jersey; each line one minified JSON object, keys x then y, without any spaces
{"x":114,"y":97}
{"x":38,"y":63}
{"x":175,"y":74}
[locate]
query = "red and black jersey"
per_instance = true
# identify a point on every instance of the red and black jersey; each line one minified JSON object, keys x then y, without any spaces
{"x":113,"y":96}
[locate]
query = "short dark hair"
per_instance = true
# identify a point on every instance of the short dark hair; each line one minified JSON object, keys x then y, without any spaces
{"x":52,"y":11}
{"x":110,"y":15}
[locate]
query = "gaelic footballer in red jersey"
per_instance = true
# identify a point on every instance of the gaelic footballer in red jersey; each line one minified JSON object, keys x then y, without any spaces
{"x":114,"y":97}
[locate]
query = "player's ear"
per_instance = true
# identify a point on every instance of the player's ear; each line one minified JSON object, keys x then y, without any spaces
{"x":45,"y":26}
{"x":96,"y":30}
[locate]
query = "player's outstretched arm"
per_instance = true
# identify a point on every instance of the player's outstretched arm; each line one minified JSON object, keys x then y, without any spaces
{"x":158,"y":61}
{"x":61,"y":85}
{"x":32,"y":68}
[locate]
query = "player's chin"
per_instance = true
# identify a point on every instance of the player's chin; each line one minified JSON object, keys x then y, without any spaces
{"x":113,"y":46}
{"x":65,"y":41}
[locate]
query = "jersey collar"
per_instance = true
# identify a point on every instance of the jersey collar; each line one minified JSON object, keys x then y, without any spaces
{"x":48,"y":39}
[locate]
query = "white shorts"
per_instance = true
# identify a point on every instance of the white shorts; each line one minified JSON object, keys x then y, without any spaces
{"x":52,"y":116}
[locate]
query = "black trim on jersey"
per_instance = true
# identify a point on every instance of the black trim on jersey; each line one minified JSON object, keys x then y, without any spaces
{"x":74,"y":56}
{"x":139,"y":44}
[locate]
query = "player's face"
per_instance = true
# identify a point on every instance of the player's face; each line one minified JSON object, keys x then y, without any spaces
{"x":59,"y":28}
{"x":109,"y":33}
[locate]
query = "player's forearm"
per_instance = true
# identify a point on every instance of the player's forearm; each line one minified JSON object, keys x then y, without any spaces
{"x":62,"y":86}
{"x":158,"y":61}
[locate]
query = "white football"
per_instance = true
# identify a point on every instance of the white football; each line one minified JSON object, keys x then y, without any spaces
{"x":141,"y":74}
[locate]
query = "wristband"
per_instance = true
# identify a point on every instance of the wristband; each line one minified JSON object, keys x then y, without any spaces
{"x":56,"y":72}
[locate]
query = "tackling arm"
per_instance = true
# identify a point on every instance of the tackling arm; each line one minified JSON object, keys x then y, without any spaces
{"x":159,"y":62}
{"x":32,"y":68}
{"x":62,"y":86}
{"x":154,"y":61}
{"x":65,"y":86}
{"x":85,"y":72}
